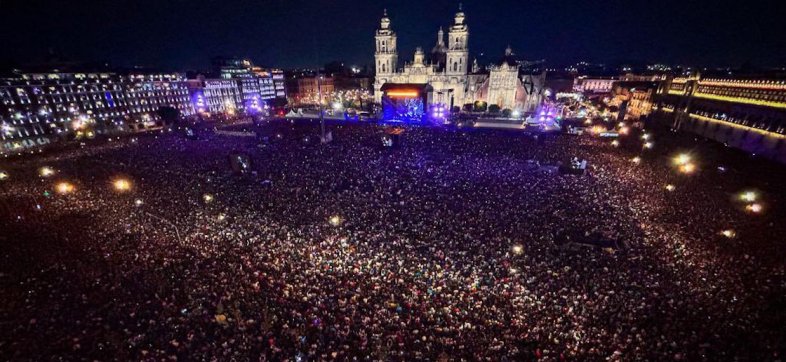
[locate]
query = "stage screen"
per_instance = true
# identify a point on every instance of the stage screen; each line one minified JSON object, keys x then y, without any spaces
{"x":403,"y":108}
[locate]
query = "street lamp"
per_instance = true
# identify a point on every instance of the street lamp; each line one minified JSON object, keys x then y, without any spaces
{"x":335,"y":220}
{"x":687,"y":168}
{"x":4,"y":175}
{"x":46,"y":171}
{"x":754,"y":208}
{"x":729,"y":233}
{"x":64,"y":188}
{"x":121,"y":185}
{"x":682,"y":159}
{"x":208,"y":198}
{"x":517,"y":249}
{"x":670,"y":187}
{"x":748,"y":196}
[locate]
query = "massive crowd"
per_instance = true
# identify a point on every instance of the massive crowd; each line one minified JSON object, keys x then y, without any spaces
{"x":452,"y":247}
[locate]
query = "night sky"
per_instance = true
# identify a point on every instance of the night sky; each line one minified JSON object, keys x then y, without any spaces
{"x":181,"y":35}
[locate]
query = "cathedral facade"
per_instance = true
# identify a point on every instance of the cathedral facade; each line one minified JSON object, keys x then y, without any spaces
{"x":448,"y":71}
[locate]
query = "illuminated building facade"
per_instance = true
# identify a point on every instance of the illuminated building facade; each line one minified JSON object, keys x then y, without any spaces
{"x":749,"y":114}
{"x":256,"y":83}
{"x":219,"y":95}
{"x":40,"y":108}
{"x":307,"y":89}
{"x":454,"y":80}
{"x":591,"y":86}
{"x":633,"y":98}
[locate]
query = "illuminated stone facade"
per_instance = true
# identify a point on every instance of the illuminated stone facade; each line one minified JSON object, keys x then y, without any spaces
{"x":455,"y":81}
{"x":749,"y":114}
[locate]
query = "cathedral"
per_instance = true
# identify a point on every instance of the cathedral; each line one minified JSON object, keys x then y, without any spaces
{"x":448,"y":71}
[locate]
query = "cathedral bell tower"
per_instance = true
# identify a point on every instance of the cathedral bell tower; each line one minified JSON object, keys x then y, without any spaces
{"x":385,"y":56}
{"x":458,"y":51}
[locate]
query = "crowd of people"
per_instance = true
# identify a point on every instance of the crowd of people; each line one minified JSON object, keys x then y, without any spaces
{"x":459,"y":245}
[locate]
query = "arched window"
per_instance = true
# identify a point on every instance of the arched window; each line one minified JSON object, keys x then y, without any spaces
{"x":455,"y":66}
{"x":383,"y":67}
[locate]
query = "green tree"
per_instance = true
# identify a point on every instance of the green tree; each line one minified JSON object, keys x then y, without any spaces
{"x":494,"y":109}
{"x":506,"y":112}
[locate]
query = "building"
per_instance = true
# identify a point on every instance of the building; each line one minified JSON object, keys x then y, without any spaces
{"x":448,"y":71}
{"x":257,"y":84}
{"x":279,"y":86}
{"x":593,"y":86}
{"x":40,"y":108}
{"x":306,"y":89}
{"x":633,"y":98}
{"x":748,"y":114}
{"x":217,"y":95}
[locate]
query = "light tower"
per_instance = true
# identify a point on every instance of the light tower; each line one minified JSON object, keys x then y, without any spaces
{"x":386,"y":55}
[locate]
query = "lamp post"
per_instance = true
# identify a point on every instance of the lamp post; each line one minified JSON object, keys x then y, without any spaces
{"x":321,"y":111}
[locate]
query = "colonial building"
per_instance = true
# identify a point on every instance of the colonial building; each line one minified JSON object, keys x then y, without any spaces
{"x":448,"y":71}
{"x":749,"y":114}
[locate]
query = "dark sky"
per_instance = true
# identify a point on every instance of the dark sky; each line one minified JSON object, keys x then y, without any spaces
{"x":180,"y":34}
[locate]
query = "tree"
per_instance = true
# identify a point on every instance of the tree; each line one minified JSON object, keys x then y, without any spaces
{"x":506,"y":112}
{"x":168,"y":115}
{"x":468,"y":107}
{"x":494,"y":109}
{"x":456,"y":109}
{"x":480,"y":106}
